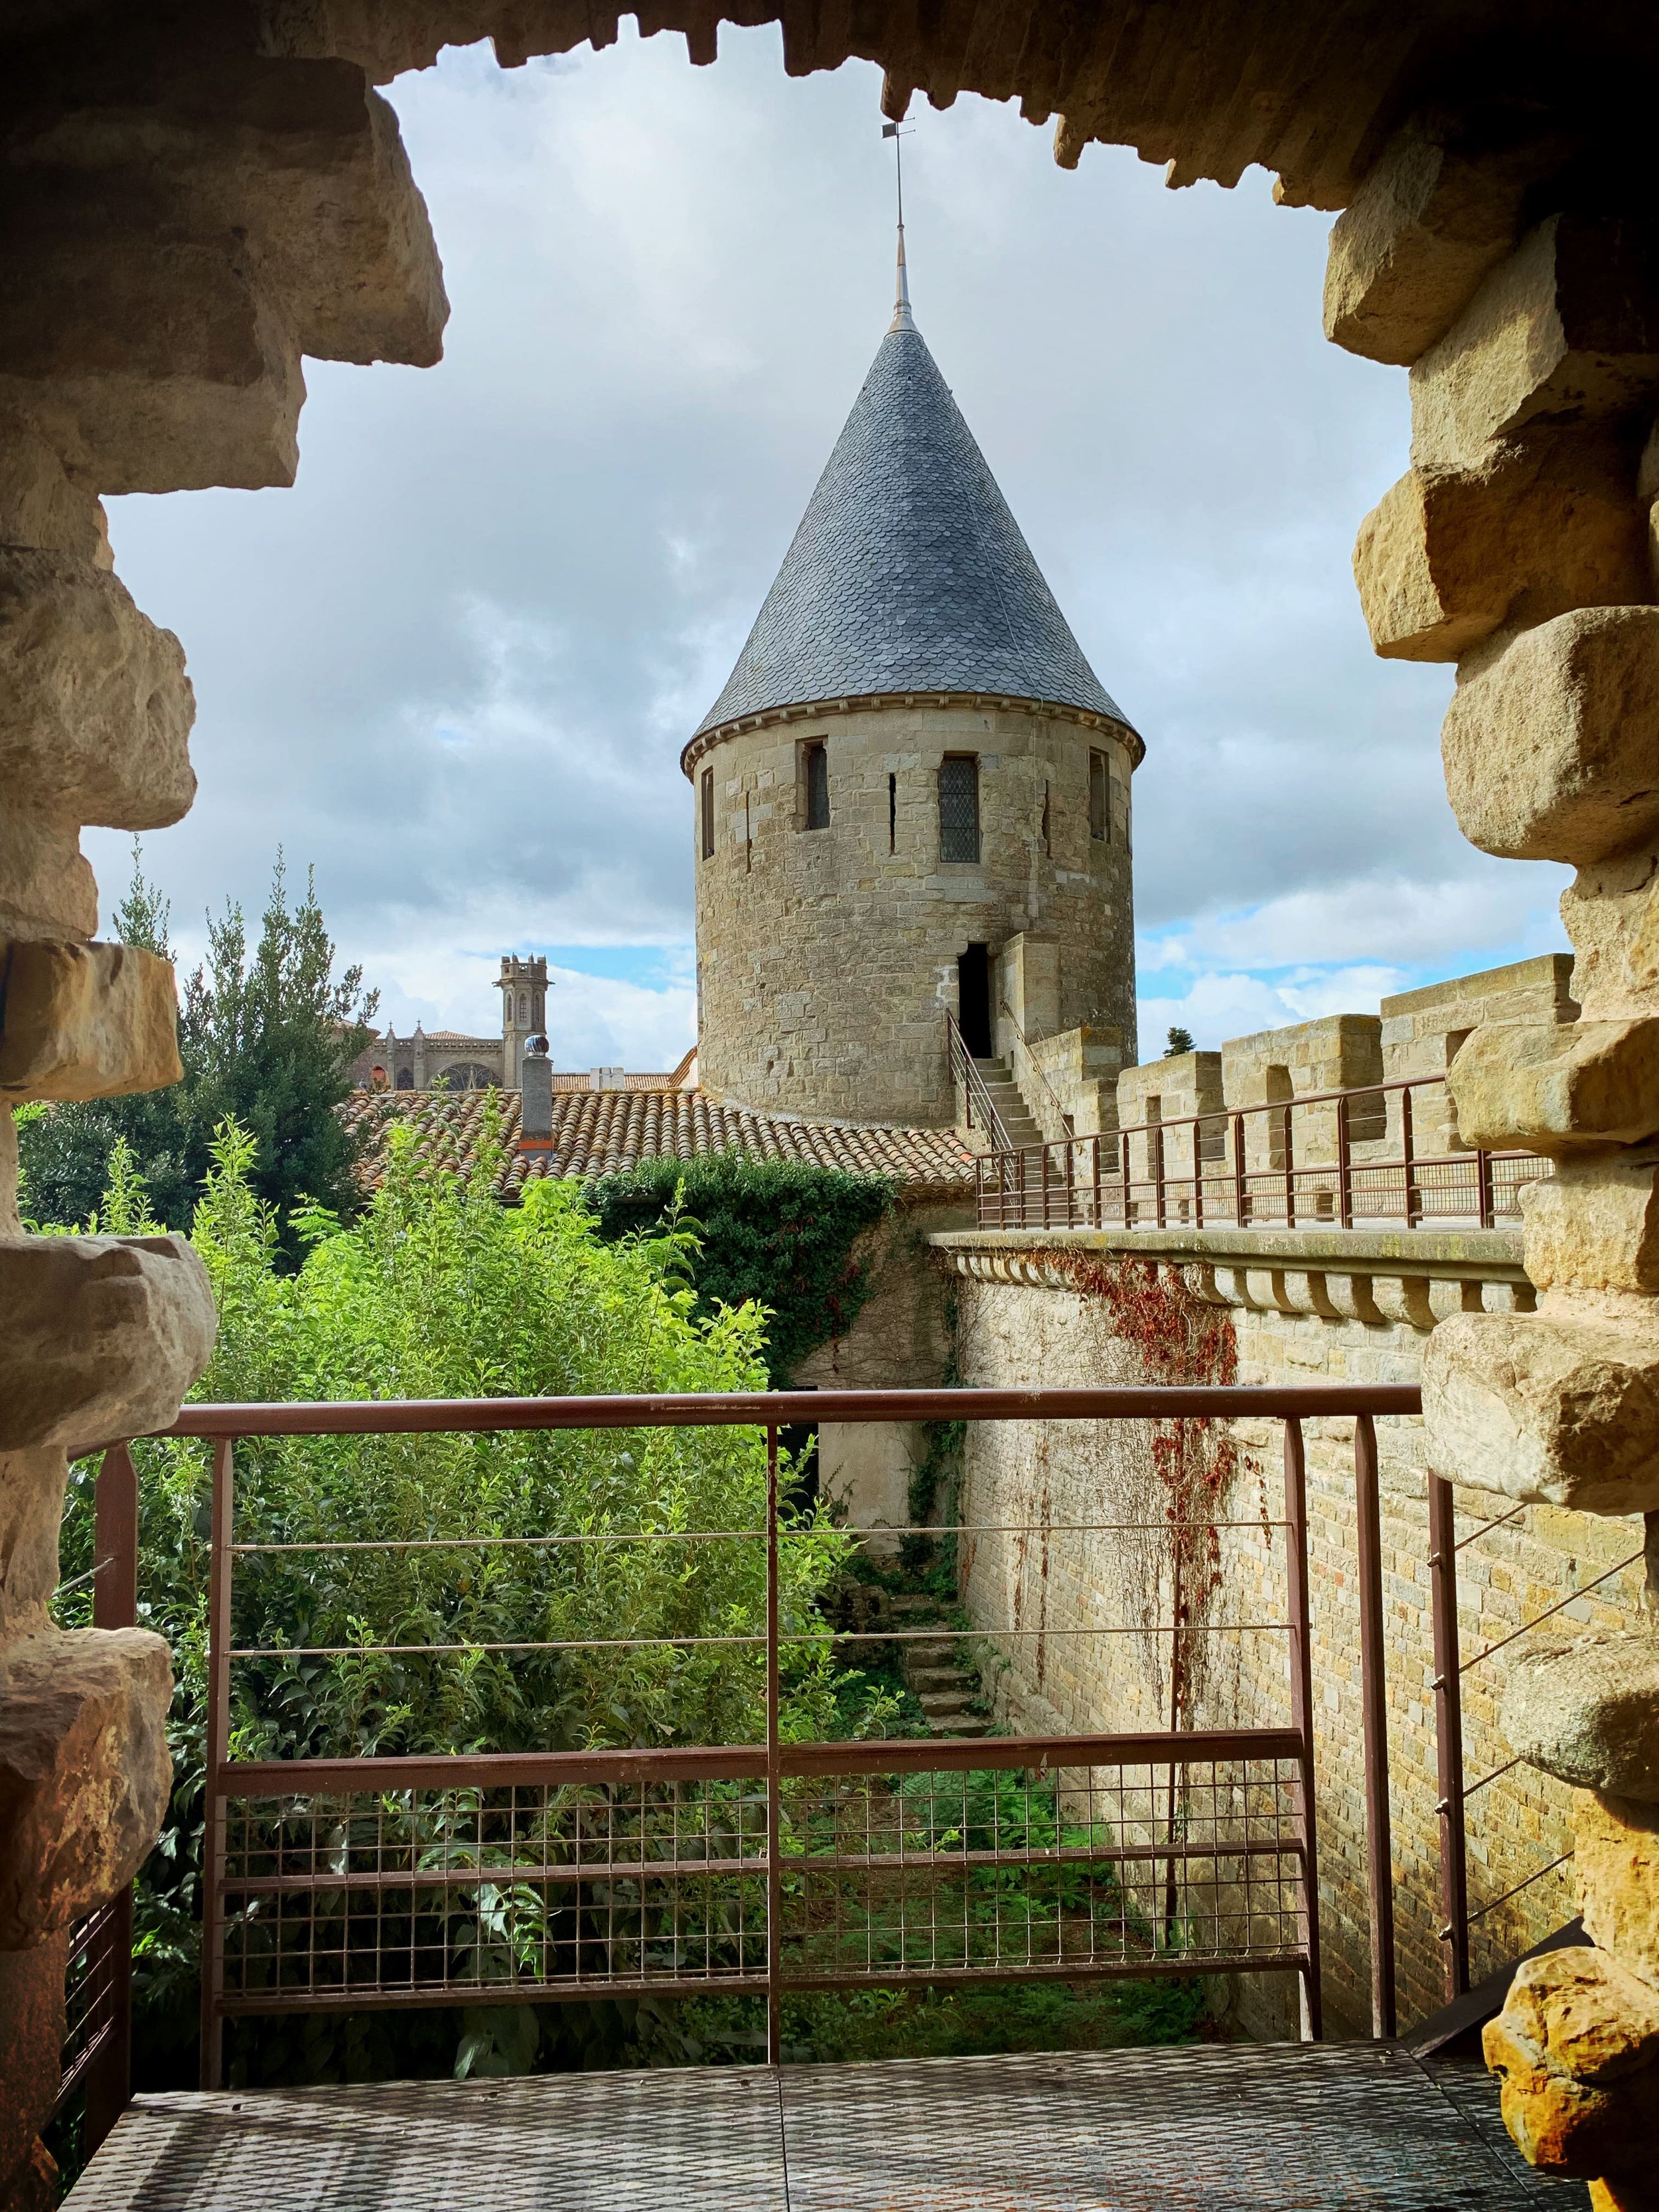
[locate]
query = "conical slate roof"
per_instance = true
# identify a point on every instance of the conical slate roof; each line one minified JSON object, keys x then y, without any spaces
{"x":908,"y":572}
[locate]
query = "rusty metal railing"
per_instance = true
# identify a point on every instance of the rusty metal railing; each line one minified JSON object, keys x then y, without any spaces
{"x":1458,"y":1918}
{"x":769,"y":1867}
{"x":978,"y":1107}
{"x":1329,"y":1159}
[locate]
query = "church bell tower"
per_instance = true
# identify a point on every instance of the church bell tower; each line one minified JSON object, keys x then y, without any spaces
{"x":522,"y":987}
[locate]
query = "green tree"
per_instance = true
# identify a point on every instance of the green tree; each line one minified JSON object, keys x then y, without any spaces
{"x":266,"y":1037}
{"x":1180,"y":1040}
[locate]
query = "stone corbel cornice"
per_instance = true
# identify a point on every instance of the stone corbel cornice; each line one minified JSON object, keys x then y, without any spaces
{"x":1381,"y":1278}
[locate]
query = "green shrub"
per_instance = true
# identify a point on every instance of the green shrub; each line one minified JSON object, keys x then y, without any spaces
{"x":778,"y":1234}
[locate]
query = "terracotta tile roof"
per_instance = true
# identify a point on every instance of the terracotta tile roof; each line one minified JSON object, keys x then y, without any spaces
{"x":599,"y":1133}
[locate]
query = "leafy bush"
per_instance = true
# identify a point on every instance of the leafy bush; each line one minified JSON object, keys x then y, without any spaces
{"x":439,"y":1291}
{"x":778,"y":1234}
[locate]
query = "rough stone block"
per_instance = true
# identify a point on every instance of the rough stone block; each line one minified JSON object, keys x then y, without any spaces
{"x":1412,"y":245}
{"x":84,"y":1771}
{"x":1561,"y":1412}
{"x":1567,"y":327}
{"x":153,"y":361}
{"x":32,"y":1488}
{"x":1587,"y":1712}
{"x":1577,"y":2046}
{"x":1550,"y":746}
{"x":1616,"y":1862}
{"x":95,"y":708}
{"x":40,"y":506}
{"x":99,"y":1336}
{"x":1448,"y":556}
{"x":46,"y":885}
{"x":1594,"y":1224}
{"x":1583,"y":1084}
{"x":85,"y":1021}
{"x":31,"y":2037}
{"x":297,"y":155}
{"x":1611,"y":912}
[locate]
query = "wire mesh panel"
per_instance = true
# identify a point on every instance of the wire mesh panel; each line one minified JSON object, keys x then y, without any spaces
{"x":439,"y":1894}
{"x":1098,"y":1869}
{"x":89,"y":1995}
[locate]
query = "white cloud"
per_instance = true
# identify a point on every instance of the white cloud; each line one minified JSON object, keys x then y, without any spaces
{"x":453,"y":667}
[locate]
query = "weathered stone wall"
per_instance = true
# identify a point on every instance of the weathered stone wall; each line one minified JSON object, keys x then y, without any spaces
{"x":827,"y":958}
{"x":1021,"y":1323}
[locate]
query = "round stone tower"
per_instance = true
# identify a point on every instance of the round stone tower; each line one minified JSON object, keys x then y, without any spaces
{"x":912,"y":765}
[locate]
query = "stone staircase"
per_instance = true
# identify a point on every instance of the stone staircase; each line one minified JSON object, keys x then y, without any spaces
{"x":935,"y":1673}
{"x":1009,"y":1100}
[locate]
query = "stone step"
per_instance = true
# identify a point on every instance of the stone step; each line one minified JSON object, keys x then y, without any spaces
{"x":940,"y":1704}
{"x":969,"y":1724}
{"x":914,"y":1607}
{"x":923,"y":1681}
{"x":921,"y":1656}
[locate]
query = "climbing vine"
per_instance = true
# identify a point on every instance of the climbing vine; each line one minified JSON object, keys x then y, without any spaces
{"x":1194,"y":1462}
{"x":779,"y":1233}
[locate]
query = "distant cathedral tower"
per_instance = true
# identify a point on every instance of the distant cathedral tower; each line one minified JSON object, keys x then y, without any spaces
{"x":522,"y":987}
{"x":911,"y":765}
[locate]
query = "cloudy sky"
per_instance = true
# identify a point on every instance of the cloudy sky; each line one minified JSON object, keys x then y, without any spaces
{"x":452,"y":668}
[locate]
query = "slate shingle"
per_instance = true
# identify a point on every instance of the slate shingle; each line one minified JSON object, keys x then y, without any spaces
{"x":908,"y":572}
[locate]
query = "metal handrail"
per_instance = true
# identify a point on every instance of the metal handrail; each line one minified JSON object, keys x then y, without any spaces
{"x":1087,"y":1181}
{"x":964,"y":1070}
{"x":1060,"y":1114}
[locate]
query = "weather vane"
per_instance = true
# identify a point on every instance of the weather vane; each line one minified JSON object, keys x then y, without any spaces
{"x":901,"y":321}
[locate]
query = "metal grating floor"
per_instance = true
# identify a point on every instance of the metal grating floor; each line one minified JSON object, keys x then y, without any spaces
{"x":1234,"y":2128}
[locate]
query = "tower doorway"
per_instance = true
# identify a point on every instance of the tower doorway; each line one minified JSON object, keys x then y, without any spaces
{"x":974,"y":1000}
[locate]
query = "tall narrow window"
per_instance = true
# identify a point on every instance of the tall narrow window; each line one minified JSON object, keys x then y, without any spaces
{"x":892,"y":814}
{"x":1043,"y":826}
{"x":815,"y":776}
{"x":958,"y":807}
{"x":1100,"y":799}
{"x":707,"y":797}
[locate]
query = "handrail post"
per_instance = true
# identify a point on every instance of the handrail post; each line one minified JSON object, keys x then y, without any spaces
{"x":1379,"y":1857}
{"x":1157,"y":1166}
{"x":1302,"y":1710}
{"x":1241,"y":1197}
{"x":1123,"y":1152}
{"x":1071,"y":1186}
{"x":1408,"y":1160}
{"x":1448,"y":1735}
{"x":220,"y":1569}
{"x":1483,"y":1180}
{"x":114,"y":1605}
{"x":773,"y":1772}
{"x":1287,"y":1109}
{"x":1095,"y":1141}
{"x":1344,"y":1167}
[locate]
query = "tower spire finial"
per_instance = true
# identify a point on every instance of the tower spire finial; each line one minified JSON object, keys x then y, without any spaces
{"x":902,"y":317}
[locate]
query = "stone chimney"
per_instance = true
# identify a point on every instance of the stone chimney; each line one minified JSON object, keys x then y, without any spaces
{"x":535,"y":1102}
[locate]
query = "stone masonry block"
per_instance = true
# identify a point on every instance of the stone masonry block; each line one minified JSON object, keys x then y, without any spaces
{"x":1450,"y":555}
{"x":84,"y":1771}
{"x":1577,"y":2047}
{"x":40,"y":506}
{"x":1594,"y":1224}
{"x":99,"y":1336}
{"x":1566,"y":328}
{"x":85,"y":1021}
{"x":155,"y":362}
{"x":1557,"y":1410}
{"x":95,"y":708}
{"x":1579,"y":1084}
{"x":1413,"y":243}
{"x":299,"y":156}
{"x":46,"y":886}
{"x":1611,"y":912}
{"x":1616,"y":1862}
{"x":1550,"y":747}
{"x":1587,"y":1712}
